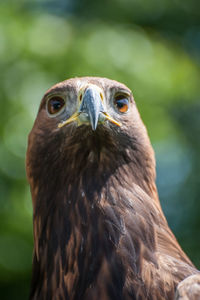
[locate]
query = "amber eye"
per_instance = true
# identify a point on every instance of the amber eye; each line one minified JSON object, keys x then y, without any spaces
{"x":122,"y":103}
{"x":55,"y":104}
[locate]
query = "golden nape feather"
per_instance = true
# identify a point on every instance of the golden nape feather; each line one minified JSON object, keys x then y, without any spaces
{"x":99,"y":230}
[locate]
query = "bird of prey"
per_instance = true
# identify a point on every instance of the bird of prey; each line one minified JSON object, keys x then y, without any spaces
{"x":99,"y":230}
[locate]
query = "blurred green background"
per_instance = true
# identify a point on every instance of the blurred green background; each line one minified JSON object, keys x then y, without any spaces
{"x":153,"y":46}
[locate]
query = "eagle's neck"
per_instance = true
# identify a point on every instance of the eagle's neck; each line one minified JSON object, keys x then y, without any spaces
{"x":78,"y":221}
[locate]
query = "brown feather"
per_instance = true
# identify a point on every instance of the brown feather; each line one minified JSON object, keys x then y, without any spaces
{"x":99,"y":230}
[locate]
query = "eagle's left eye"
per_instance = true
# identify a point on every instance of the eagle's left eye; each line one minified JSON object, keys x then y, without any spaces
{"x":121,"y":103}
{"x":55,"y":104}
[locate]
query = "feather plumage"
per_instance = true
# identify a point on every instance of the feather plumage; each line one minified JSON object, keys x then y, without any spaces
{"x":99,"y":230}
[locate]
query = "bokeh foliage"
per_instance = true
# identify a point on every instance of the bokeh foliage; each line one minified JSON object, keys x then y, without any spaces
{"x":153,"y":47}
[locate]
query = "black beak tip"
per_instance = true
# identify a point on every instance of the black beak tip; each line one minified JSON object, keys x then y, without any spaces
{"x":94,"y":127}
{"x":93,"y":123}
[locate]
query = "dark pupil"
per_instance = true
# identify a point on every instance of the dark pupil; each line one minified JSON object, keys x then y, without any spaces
{"x":56,"y":104}
{"x":121,"y":103}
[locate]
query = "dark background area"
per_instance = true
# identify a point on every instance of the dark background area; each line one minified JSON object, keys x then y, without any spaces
{"x":153,"y":47}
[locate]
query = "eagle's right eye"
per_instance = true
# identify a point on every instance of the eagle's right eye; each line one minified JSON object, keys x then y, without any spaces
{"x":55,"y":104}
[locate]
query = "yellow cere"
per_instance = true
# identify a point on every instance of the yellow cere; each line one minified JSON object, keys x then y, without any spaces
{"x":71,"y":119}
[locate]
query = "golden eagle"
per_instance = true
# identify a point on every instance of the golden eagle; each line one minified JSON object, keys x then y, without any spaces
{"x":99,"y":230}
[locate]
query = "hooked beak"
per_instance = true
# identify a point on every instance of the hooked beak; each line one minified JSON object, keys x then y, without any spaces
{"x":91,"y":109}
{"x":92,"y":106}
